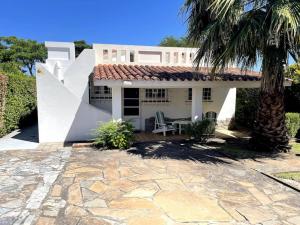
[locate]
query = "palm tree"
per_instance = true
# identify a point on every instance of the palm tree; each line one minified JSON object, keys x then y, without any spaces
{"x":244,"y":32}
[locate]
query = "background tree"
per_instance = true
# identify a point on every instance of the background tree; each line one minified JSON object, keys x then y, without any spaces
{"x":23,"y":52}
{"x":244,"y":31}
{"x":171,"y":41}
{"x":80,"y":46}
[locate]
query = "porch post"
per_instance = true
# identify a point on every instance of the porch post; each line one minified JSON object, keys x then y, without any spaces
{"x":117,"y":103}
{"x":196,"y":103}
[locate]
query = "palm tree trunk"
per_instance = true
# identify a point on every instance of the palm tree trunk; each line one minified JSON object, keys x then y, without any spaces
{"x":270,"y":132}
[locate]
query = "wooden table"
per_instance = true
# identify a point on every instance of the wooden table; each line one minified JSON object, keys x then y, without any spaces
{"x":180,"y":123}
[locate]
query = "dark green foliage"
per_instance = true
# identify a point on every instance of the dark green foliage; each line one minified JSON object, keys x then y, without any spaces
{"x":3,"y":88}
{"x":292,"y":93}
{"x":114,"y":134}
{"x":292,"y":123}
{"x":20,"y":101}
{"x":80,"y":46}
{"x":23,"y":52}
{"x":246,"y":106}
{"x":201,"y":130}
{"x":171,"y":41}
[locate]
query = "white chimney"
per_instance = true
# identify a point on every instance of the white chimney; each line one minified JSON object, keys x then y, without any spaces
{"x":60,"y":56}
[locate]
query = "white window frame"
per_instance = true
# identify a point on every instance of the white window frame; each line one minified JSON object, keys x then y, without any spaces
{"x":152,"y":95}
{"x":100,"y":93}
{"x":206,"y":95}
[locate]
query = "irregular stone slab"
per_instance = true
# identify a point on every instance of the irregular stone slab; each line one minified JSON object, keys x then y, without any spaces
{"x":93,"y":221}
{"x":119,"y":214}
{"x":141,"y":193}
{"x":45,"y":221}
{"x":132,"y":203}
{"x":148,"y":220}
{"x":75,"y":211}
{"x":13,"y":204}
{"x":96,"y":203}
{"x":261,"y":197}
{"x":37,"y":196}
{"x":184,"y":206}
{"x":170,"y":184}
{"x":52,"y":206}
{"x":98,"y":187}
{"x":294,"y":220}
{"x":74,"y":194}
{"x":256,"y":215}
{"x":88,"y":195}
{"x":56,"y":191}
{"x":82,"y":170}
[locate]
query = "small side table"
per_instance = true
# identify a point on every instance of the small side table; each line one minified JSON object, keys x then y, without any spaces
{"x":180,"y":123}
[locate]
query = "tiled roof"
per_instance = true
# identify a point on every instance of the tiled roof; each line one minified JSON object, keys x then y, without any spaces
{"x":175,"y":73}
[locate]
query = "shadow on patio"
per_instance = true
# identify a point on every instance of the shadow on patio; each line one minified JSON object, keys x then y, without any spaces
{"x":179,"y":150}
{"x":225,"y":148}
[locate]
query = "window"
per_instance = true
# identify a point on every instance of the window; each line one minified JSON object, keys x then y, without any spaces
{"x":190,"y":94}
{"x":167,"y":57}
{"x":192,"y":55}
{"x":100,"y":93}
{"x":175,"y":57}
{"x":114,"y":55}
{"x":131,"y":56}
{"x":123,"y":55}
{"x":183,"y":57}
{"x":156,"y":95}
{"x":206,"y":96}
{"x":105,"y":54}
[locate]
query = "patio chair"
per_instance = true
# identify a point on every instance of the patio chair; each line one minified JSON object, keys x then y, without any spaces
{"x":160,"y":124}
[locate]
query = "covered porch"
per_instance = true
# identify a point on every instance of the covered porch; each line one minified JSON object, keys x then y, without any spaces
{"x":135,"y":93}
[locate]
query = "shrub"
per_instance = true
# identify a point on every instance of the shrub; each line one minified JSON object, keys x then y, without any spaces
{"x":20,"y":101}
{"x":292,"y":123}
{"x":114,"y":134}
{"x":201,"y":130}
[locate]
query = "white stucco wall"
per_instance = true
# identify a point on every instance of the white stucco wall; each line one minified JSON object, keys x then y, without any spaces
{"x":64,"y":111}
{"x":223,"y":103}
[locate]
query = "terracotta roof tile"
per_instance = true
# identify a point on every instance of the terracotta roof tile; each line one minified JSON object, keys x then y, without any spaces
{"x":174,"y":73}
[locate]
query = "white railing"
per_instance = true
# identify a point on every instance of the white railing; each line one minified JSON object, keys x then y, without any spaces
{"x":144,"y":55}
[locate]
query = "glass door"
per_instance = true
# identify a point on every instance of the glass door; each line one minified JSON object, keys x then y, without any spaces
{"x":131,"y":106}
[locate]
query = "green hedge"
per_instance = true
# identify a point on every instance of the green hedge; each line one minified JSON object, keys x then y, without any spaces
{"x":3,"y":88}
{"x":20,"y":100}
{"x":292,"y":123}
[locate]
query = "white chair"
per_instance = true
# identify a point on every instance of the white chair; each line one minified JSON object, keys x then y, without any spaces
{"x":160,"y":124}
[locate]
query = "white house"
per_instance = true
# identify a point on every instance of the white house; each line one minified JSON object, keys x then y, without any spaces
{"x":130,"y":83}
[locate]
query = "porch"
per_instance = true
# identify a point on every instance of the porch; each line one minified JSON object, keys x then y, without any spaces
{"x":140,"y":104}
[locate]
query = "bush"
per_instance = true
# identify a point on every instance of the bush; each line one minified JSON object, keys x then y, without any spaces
{"x":114,"y":134}
{"x":292,"y":123}
{"x":20,"y":101}
{"x":201,"y":130}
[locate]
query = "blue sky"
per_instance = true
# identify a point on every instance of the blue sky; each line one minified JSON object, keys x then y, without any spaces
{"x":140,"y":22}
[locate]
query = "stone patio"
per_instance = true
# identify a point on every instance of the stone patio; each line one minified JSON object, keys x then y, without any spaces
{"x":159,"y":183}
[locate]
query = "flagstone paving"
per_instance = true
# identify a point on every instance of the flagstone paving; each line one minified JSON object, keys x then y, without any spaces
{"x":25,"y":180}
{"x":152,"y":184}
{"x":165,"y":184}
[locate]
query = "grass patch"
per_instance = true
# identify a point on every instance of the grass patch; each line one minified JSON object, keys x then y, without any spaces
{"x":296,"y":147}
{"x":289,"y":175}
